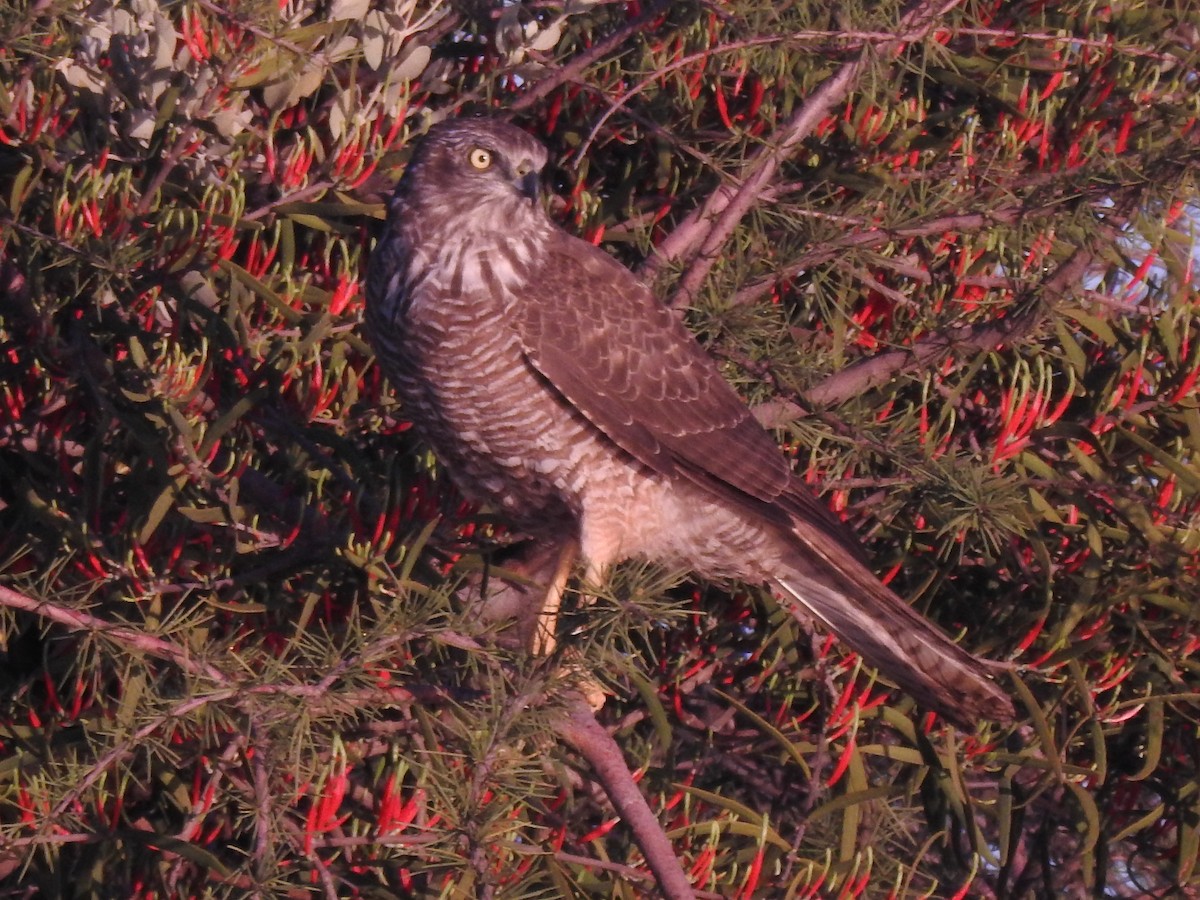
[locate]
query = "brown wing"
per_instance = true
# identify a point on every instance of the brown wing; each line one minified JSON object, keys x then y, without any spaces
{"x":629,"y":365}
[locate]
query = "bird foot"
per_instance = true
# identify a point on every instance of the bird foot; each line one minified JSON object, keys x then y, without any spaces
{"x":579,"y":678}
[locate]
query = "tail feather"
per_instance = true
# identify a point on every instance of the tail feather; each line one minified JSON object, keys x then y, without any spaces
{"x":844,"y":595}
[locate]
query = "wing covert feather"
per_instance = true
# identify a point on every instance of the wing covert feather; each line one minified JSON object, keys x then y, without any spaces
{"x":631,"y":367}
{"x":618,"y":355}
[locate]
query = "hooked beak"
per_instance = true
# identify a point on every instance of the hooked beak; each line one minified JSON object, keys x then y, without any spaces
{"x":528,"y":182}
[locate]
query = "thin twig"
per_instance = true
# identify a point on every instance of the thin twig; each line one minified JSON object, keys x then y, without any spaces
{"x":656,"y":76}
{"x":75,"y":620}
{"x":862,"y":240}
{"x":305,"y":192}
{"x":1071,"y":41}
{"x":263,"y":806}
{"x":126,"y":748}
{"x":134,"y":639}
{"x":628,"y":872}
{"x":186,"y":134}
{"x":199,"y":811}
{"x":580,"y":62}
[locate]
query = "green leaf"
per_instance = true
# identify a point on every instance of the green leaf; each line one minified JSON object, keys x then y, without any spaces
{"x":261,"y":290}
{"x":221,"y":426}
{"x":793,"y":749}
{"x":1152,"y":752}
{"x":752,"y":823}
{"x":1094,"y":324}
{"x":1074,"y":353}
{"x":158,"y":510}
{"x":16,"y":196}
{"x":653,"y":705}
{"x":173,"y":845}
{"x":1187,"y":474}
{"x":313,"y":222}
{"x":1090,"y":833}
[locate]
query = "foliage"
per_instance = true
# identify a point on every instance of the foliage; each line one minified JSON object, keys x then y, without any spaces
{"x":946,"y":250}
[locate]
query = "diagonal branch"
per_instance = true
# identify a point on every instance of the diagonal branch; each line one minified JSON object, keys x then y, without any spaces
{"x":571,"y":70}
{"x":579,"y":728}
{"x":869,"y":373}
{"x":959,"y":223}
{"x":75,"y":620}
{"x":128,"y":747}
{"x":322,"y":695}
{"x":701,"y":236}
{"x":704,"y":235}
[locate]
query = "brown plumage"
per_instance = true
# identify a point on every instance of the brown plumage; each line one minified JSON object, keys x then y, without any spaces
{"x":550,"y":382}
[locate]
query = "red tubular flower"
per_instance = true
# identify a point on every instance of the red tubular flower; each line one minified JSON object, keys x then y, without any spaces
{"x":1031,"y":635}
{"x":722,"y":109}
{"x":755,"y":872}
{"x":342,"y":294}
{"x":599,"y":831}
{"x":701,"y":869}
{"x":843,"y":762}
{"x":1123,"y":134}
{"x":1051,"y":85}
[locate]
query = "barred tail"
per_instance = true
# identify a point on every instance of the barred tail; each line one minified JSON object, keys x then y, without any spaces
{"x":841,"y":593}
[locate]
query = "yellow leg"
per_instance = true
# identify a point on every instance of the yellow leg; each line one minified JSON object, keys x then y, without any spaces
{"x":544,"y":640}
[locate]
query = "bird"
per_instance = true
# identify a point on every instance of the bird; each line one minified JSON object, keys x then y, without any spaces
{"x":554,"y":386}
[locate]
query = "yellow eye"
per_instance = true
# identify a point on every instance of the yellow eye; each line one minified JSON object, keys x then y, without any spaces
{"x":479,"y":158}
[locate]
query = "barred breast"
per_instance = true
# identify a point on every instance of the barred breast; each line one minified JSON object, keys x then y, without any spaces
{"x":509,"y":438}
{"x":502,"y":433}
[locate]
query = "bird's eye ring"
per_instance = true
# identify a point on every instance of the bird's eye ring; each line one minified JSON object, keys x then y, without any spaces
{"x":479,"y":158}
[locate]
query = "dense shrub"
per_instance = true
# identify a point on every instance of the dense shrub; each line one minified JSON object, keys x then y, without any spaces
{"x":946,"y":249}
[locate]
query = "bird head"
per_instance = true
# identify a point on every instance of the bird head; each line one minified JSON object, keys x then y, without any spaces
{"x":488,"y":163}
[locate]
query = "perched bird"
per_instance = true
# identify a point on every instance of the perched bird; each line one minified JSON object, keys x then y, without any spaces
{"x":551,"y":383}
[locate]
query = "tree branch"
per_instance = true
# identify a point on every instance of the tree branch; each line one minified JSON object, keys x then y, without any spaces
{"x":263,"y":857}
{"x":74,"y":620}
{"x":700,"y":237}
{"x":578,"y":64}
{"x":126,"y":748}
{"x":866,"y":374}
{"x":132,"y":638}
{"x":580,"y":729}
{"x":859,"y":240}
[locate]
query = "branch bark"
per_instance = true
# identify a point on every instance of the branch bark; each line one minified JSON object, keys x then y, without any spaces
{"x":700,"y":237}
{"x":579,"y":728}
{"x":866,"y":374}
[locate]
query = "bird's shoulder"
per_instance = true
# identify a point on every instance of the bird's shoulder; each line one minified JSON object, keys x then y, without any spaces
{"x":583,"y":274}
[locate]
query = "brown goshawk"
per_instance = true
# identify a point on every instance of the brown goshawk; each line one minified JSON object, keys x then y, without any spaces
{"x":551,"y":383}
